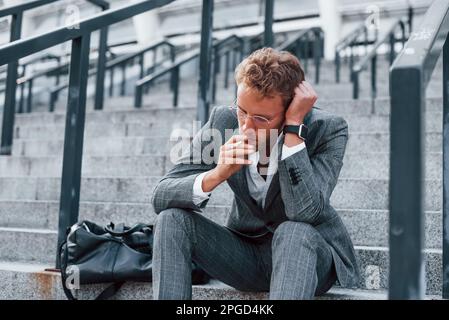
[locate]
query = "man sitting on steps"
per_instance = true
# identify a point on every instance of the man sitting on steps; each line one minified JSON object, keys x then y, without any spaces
{"x":281,"y":234}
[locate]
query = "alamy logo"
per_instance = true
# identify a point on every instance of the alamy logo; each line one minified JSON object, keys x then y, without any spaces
{"x":72,"y":281}
{"x":72,"y":17}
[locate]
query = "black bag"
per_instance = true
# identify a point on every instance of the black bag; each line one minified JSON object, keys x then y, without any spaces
{"x":111,"y":254}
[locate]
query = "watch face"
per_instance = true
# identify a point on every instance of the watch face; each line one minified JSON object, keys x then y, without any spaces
{"x":303,"y":130}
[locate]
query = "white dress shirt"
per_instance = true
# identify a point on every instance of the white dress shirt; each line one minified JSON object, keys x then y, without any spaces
{"x":257,"y":185}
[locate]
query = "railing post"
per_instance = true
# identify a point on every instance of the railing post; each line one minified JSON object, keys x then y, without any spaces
{"x":317,"y":55}
{"x":204,"y":91}
{"x":355,"y":84}
{"x":123,"y":83}
{"x":142,"y":66}
{"x":365,"y":33}
{"x":226,"y":79}
{"x":101,"y":69}
{"x":58,"y":76}
{"x":52,"y":103}
{"x":373,"y":82}
{"x":138,"y":92}
{"x":306,"y":51}
{"x":22,"y":95}
{"x":111,"y":80}
{"x":172,"y":59}
{"x":30,"y":96}
{"x":410,"y":19}
{"x":337,"y":66}
{"x":406,"y":203}
{"x":268,"y":32}
{"x":374,"y":77}
{"x":446,"y":169}
{"x":214,"y":76}
{"x":10,"y":91}
{"x":74,"y":134}
{"x":351,"y":62}
{"x":175,"y":86}
{"x":392,"y":54}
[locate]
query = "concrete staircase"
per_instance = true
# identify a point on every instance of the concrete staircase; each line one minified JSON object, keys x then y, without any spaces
{"x":126,"y":151}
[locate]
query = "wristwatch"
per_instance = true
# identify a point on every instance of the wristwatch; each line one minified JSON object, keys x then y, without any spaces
{"x":300,"y":130}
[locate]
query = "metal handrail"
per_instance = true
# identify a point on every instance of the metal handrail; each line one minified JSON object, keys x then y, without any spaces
{"x":173,"y":69}
{"x":16,"y":12}
{"x":20,"y":8}
{"x":234,"y":45}
{"x":122,"y":61}
{"x":390,"y":38}
{"x":299,"y":45}
{"x":76,"y":108}
{"x":57,"y":71}
{"x":409,"y":77}
{"x":349,"y":42}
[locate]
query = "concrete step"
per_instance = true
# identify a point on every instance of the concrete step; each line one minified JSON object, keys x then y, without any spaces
{"x":157,"y":127}
{"x":373,"y":165}
{"x":153,"y":110}
{"x":349,"y":193}
{"x":39,"y":246}
{"x":97,"y":166}
{"x":366,"y":227}
{"x":152,"y":127}
{"x":25,"y":281}
{"x":148,"y":120}
{"x":359,"y":142}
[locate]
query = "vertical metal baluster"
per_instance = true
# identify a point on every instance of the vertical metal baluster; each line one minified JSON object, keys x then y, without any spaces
{"x":9,"y":108}
{"x":204,"y":92}
{"x":406,"y":201}
{"x":446,"y":169}
{"x":74,"y":135}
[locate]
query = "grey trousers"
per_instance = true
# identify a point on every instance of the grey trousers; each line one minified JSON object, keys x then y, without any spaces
{"x":294,"y":262}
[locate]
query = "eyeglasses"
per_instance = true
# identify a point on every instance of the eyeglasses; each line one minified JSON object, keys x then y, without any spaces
{"x":259,"y":121}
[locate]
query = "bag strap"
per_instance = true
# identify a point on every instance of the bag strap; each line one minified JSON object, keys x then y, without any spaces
{"x":133,"y":229}
{"x":110,"y":291}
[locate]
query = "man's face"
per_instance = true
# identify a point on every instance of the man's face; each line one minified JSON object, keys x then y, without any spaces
{"x":252,"y":110}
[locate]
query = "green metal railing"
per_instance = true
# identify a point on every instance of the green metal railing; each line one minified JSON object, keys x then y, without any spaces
{"x":409,"y":76}
{"x":351,"y":41}
{"x":16,"y":12}
{"x":299,"y":45}
{"x":389,"y":38}
{"x":234,"y":46}
{"x":61,"y":69}
{"x":76,"y":106}
{"x":220,"y":47}
{"x":122,"y":62}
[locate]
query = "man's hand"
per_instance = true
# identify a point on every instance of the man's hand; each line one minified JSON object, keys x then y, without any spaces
{"x":303,"y":101}
{"x":233,"y":155}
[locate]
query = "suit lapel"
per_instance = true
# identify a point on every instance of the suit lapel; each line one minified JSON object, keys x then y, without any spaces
{"x":275,"y":188}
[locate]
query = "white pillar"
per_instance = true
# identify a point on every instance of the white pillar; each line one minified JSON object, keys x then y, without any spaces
{"x":146,"y":26}
{"x":331,"y":24}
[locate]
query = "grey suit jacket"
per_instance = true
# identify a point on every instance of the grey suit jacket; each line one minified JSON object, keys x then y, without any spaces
{"x":299,"y":191}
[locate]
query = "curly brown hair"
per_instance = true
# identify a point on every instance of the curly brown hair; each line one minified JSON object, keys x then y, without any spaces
{"x":271,"y":72}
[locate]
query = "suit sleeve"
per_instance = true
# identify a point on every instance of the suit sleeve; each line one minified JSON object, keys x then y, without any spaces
{"x":307,"y":183}
{"x":175,"y":189}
